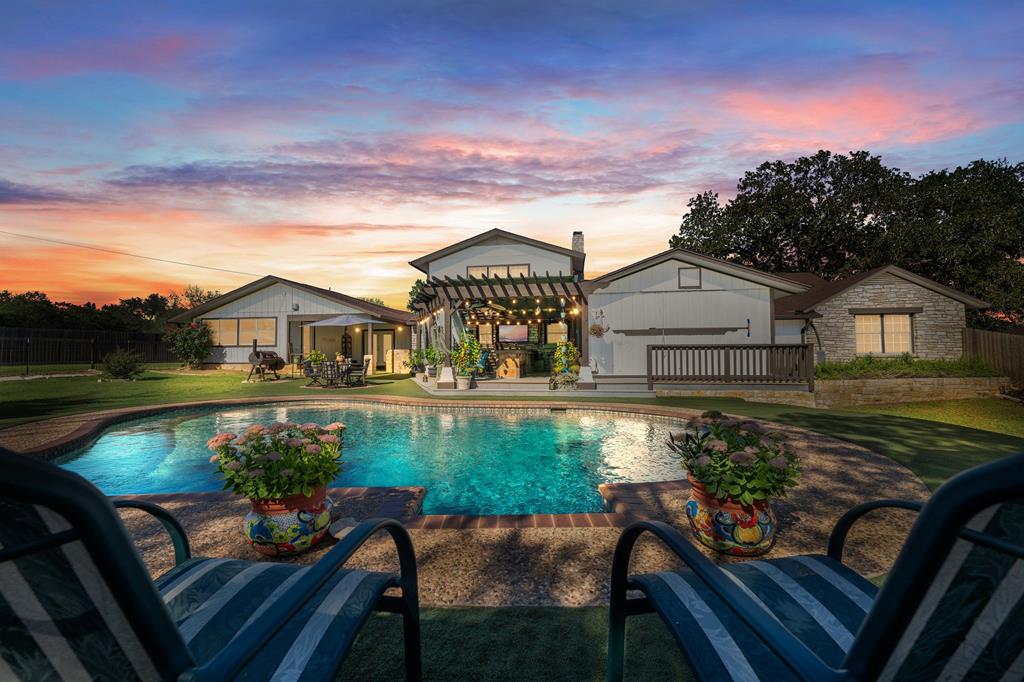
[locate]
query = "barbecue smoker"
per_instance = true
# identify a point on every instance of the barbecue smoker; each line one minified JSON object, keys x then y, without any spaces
{"x":263,"y":361}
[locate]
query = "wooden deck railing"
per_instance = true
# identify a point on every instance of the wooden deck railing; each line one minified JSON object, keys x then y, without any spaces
{"x":752,"y":364}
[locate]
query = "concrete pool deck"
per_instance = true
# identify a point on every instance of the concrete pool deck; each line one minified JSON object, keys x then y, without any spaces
{"x":561,"y":560}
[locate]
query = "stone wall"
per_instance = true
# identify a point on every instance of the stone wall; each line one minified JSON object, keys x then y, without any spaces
{"x":853,"y":392}
{"x":937,"y":330}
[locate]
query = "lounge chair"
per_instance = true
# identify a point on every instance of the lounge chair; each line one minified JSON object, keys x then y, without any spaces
{"x":481,"y":369}
{"x":951,"y":608}
{"x":76,"y":601}
{"x":312,"y":373}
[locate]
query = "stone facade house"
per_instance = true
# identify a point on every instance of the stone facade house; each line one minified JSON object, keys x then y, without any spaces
{"x":886,"y":311}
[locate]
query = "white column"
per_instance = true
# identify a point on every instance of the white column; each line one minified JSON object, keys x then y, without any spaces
{"x":369,"y":349}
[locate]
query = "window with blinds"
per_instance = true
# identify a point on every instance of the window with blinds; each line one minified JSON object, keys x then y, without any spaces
{"x":503,"y":271}
{"x":223,"y":332}
{"x":263,"y":329}
{"x":883,"y":333}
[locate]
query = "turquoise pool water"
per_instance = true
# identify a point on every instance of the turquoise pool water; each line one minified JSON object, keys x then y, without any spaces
{"x":470,"y":461}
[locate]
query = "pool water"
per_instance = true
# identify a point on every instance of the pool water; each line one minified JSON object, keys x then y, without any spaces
{"x":474,"y":461}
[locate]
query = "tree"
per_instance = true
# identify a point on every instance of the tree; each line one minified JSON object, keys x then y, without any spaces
{"x":413,"y":293}
{"x":372,"y":299}
{"x":190,"y":296}
{"x":836,"y":215}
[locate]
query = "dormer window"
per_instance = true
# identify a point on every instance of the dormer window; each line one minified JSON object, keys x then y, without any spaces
{"x":505,"y":271}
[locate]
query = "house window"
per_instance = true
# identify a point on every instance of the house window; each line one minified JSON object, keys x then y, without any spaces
{"x":558,"y":331}
{"x":263,"y":329}
{"x":224,"y":332}
{"x":883,"y":333}
{"x":504,"y":271}
{"x":689,"y":277}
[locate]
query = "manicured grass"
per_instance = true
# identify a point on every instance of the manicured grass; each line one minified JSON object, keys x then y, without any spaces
{"x":933,"y":450}
{"x":515,"y":643}
{"x":989,"y":414}
{"x":869,"y":367}
{"x":42,"y":370}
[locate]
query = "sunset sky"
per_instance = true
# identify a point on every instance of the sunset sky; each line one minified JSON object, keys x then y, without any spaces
{"x":333,"y":142}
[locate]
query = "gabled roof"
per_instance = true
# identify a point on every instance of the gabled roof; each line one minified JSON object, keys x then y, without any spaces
{"x":423,"y":262}
{"x":741,"y":271}
{"x":383,"y":312}
{"x":807,"y":300}
{"x":808,"y":278}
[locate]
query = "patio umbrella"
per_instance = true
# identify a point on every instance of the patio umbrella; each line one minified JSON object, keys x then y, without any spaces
{"x":342,"y":321}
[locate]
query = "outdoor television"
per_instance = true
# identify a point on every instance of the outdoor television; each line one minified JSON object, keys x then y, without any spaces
{"x":514,"y":333}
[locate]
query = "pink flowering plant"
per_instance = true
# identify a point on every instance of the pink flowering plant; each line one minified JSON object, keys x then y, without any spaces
{"x":280,"y":460}
{"x":736,"y":459}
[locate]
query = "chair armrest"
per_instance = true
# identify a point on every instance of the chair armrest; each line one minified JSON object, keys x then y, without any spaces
{"x":179,"y":539}
{"x":250,"y":641}
{"x":837,"y":539}
{"x":804,"y":662}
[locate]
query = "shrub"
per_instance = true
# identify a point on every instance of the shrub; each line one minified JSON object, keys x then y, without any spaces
{"x":123,"y":364}
{"x":465,"y":355}
{"x":415,"y":361}
{"x":191,"y":344}
{"x":736,"y":459}
{"x":432,"y":356}
{"x":272,"y":462}
{"x":870,"y":367}
{"x":565,"y":358}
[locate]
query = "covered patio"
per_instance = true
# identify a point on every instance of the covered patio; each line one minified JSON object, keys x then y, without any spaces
{"x":355,"y":336}
{"x":516,"y":319}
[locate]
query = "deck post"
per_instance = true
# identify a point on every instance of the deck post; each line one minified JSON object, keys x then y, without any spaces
{"x":586,"y":380}
{"x":446,"y":379}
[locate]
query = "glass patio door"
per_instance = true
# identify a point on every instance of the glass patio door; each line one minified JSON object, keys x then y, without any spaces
{"x":382,"y":343}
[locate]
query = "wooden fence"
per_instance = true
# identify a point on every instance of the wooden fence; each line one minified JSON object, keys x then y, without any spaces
{"x":1003,"y":351}
{"x":747,"y":364}
{"x":22,"y":346}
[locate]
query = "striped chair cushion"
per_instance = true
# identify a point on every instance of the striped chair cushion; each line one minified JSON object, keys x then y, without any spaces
{"x":212,"y":599}
{"x":58,"y":618}
{"x":970,"y":624}
{"x":818,"y":599}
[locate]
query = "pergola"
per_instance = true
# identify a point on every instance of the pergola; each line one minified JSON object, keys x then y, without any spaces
{"x":536,"y":299}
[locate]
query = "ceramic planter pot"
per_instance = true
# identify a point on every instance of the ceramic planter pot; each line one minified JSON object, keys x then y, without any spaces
{"x":290,"y":525}
{"x":730,"y":527}
{"x":462,"y":383}
{"x":432,"y":371}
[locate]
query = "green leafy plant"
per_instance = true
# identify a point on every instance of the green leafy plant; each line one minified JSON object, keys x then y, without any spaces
{"x":432,"y":356}
{"x":735,"y":459}
{"x":465,"y":355}
{"x":191,"y":343}
{"x":123,"y":364}
{"x":317,"y":357}
{"x":906,"y":365}
{"x":415,"y":361}
{"x":280,"y":460}
{"x":565,"y":358}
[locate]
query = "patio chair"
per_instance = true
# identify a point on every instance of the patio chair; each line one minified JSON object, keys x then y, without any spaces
{"x":356,"y":375}
{"x":481,"y":369}
{"x":76,"y":601}
{"x":332,"y":374}
{"x":952,"y":607}
{"x":312,"y":373}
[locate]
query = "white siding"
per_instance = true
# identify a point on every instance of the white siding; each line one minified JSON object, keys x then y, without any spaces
{"x":788,"y":331}
{"x":279,"y":301}
{"x":652,"y":298}
{"x":501,"y":252}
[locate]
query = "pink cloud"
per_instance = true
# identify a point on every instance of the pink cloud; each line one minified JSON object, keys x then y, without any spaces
{"x":149,"y":55}
{"x":854,"y":117}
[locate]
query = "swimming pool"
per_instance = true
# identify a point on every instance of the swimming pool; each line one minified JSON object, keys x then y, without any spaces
{"x":471,"y":461}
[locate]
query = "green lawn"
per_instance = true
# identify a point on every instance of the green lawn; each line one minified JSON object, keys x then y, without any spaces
{"x":43,"y":370}
{"x":989,"y":414}
{"x":515,"y":643}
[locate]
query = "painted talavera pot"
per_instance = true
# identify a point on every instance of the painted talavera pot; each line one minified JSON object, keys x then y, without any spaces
{"x":729,"y":527}
{"x":290,"y":525}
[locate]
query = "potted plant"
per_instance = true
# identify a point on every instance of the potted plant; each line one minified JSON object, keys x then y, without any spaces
{"x":317,"y":357}
{"x":415,"y":363}
{"x":565,"y":366}
{"x":736,"y":470}
{"x":464,"y":358}
{"x":284,"y":470}
{"x":431,"y":358}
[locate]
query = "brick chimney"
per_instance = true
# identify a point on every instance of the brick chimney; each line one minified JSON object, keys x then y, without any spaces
{"x":577,"y":241}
